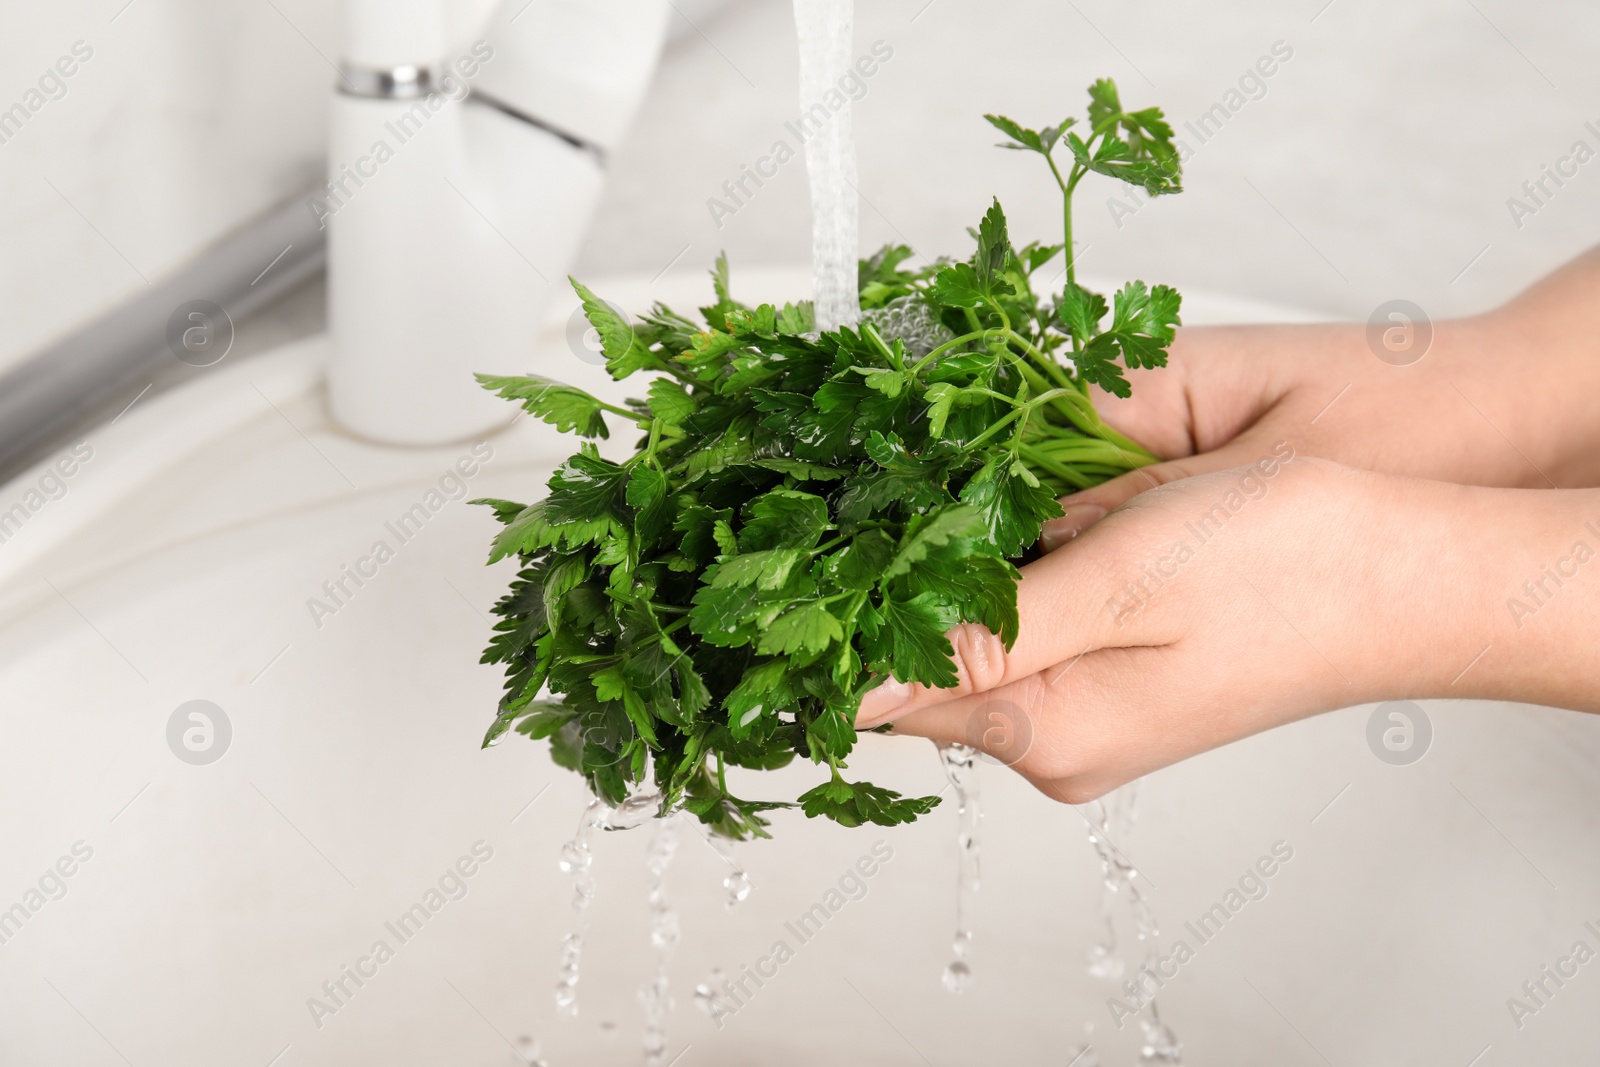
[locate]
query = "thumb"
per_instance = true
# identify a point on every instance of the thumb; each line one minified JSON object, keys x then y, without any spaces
{"x":1089,"y":506}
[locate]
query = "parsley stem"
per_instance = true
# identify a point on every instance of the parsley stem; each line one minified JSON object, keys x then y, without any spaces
{"x":942,"y":349}
{"x":1066,"y":221}
{"x":1000,"y":424}
{"x":1060,"y":470}
{"x":870,"y":332}
{"x":1080,"y":414}
{"x":1029,"y":372}
{"x":830,"y":544}
{"x":633,"y":416}
{"x":850,"y":612}
{"x":655,"y":440}
{"x":1055,"y":369}
{"x":1085,"y":449}
{"x":1015,"y":413}
{"x":1143,"y":456}
{"x":978,"y":389}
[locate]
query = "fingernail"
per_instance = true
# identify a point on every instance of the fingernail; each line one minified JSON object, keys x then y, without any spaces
{"x":1078,"y":517}
{"x":881,"y":701}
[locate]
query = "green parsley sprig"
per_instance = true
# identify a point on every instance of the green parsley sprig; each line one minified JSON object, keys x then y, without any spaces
{"x":807,"y":514}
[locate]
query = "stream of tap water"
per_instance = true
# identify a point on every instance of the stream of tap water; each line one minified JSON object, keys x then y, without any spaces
{"x":655,"y":994}
{"x":577,"y":857}
{"x":825,"y":28}
{"x":961,"y":769}
{"x":577,"y":860}
{"x":1111,"y":820}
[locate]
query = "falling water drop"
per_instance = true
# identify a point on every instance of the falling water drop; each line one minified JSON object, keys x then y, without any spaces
{"x":958,"y":973}
{"x":1104,"y":963}
{"x":737,"y":881}
{"x":961,"y":768}
{"x":707,"y":996}
{"x":664,"y":932}
{"x":738,"y":886}
{"x":1160,"y":1045}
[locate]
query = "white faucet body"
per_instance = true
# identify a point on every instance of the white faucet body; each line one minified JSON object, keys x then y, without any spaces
{"x":459,"y":189}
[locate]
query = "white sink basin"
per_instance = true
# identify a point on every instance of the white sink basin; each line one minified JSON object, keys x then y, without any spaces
{"x":220,"y":897}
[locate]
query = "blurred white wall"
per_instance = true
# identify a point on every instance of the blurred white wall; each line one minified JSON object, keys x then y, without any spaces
{"x":188,"y":118}
{"x":1381,"y":155}
{"x":1377,"y":164}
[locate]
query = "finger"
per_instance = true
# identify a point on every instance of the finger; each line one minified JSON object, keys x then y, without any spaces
{"x":1075,"y":731}
{"x":1081,"y":730}
{"x":1159,"y":413}
{"x":1218,"y":382}
{"x":1063,"y":607}
{"x":1087,"y":507}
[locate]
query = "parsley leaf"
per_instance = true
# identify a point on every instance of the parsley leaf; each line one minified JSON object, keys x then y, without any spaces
{"x":568,"y":409}
{"x":853,"y":803}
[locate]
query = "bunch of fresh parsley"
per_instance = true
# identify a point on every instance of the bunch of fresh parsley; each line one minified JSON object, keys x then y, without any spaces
{"x":807,"y":514}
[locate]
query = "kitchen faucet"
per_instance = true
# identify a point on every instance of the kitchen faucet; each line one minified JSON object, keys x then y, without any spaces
{"x":459,"y":185}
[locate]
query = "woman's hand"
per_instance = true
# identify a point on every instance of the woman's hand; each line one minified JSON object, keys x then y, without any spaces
{"x":1511,"y":398}
{"x":1224,"y":604}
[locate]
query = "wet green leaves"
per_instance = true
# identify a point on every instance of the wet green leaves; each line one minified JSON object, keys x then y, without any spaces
{"x":805,"y":514}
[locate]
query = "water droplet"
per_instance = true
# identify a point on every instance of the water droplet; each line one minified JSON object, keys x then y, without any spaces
{"x":1160,"y":1045}
{"x":736,"y":883}
{"x":738,"y":886}
{"x":575,"y":857}
{"x":1105,"y":964}
{"x":707,"y":996}
{"x":957,"y":976}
